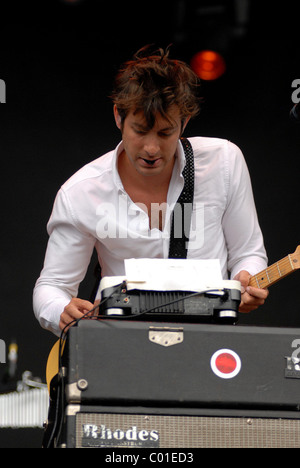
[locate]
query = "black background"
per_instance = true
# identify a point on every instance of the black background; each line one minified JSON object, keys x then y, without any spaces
{"x":58,"y":60}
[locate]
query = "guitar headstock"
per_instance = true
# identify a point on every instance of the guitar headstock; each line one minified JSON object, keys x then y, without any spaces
{"x":295,"y":258}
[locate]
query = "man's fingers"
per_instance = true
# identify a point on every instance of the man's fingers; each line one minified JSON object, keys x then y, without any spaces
{"x":253,"y":298}
{"x":75,"y":310}
{"x":81,"y":304}
{"x":256,"y":292}
{"x":243,"y":277}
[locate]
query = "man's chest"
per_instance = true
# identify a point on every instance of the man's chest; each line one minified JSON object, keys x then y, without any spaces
{"x":154,"y":205}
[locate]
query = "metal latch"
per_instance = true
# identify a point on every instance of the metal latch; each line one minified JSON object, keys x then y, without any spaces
{"x":166,"y":336}
{"x":74,"y":390}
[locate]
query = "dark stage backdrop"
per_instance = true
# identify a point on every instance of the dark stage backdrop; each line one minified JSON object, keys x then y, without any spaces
{"x":58,"y":60}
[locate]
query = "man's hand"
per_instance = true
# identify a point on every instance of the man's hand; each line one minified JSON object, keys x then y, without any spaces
{"x":73,"y":311}
{"x":252,"y":298}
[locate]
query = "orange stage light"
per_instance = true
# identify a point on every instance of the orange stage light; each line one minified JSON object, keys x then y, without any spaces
{"x":208,"y":65}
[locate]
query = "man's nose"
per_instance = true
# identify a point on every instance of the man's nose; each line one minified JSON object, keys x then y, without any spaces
{"x":151,"y":146}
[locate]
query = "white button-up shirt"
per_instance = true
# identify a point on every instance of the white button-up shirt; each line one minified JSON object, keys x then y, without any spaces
{"x":92,"y":210}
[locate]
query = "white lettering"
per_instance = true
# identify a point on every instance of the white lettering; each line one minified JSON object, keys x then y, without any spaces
{"x":2,"y":352}
{"x":2,"y":92}
{"x":118,"y":434}
{"x":296,"y":344}
{"x":116,"y":458}
{"x":132,"y":434}
{"x":154,"y":435}
{"x":143,"y":435}
{"x":296,"y":93}
{"x":197,"y":228}
{"x":105,"y":434}
{"x":106,"y":226}
{"x":127,"y":220}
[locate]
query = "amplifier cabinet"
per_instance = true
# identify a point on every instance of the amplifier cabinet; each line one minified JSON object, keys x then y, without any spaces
{"x":102,"y":427}
{"x":126,"y":363}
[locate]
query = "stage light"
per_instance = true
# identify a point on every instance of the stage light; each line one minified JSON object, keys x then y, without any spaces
{"x":208,"y":65}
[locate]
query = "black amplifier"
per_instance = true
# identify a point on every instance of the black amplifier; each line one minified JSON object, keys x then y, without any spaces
{"x":168,"y":428}
{"x":124,"y":362}
{"x":159,"y":385}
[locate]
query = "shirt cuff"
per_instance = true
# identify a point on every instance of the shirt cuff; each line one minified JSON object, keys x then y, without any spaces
{"x":48,"y":314}
{"x":252,"y":264}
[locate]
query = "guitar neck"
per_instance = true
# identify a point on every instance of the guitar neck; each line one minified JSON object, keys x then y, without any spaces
{"x":273,"y":273}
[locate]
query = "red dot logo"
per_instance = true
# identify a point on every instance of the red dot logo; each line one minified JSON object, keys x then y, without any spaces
{"x":225,"y":363}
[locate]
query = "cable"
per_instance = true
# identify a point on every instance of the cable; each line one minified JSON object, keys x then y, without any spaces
{"x":60,"y":401}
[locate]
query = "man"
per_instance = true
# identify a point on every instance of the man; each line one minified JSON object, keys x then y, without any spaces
{"x":120,"y":203}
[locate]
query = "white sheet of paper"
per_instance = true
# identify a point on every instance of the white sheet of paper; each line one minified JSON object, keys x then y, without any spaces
{"x":172,"y":274}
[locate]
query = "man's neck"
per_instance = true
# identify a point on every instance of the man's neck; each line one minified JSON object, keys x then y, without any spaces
{"x":148,"y":183}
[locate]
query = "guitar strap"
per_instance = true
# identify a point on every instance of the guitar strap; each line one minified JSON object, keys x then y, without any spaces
{"x":180,"y":230}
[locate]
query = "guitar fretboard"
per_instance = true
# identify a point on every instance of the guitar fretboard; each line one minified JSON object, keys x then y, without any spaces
{"x":273,"y":273}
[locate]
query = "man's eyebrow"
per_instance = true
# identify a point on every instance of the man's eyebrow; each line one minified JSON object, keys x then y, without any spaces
{"x":146,"y":128}
{"x":170,"y":128}
{"x":140,"y":126}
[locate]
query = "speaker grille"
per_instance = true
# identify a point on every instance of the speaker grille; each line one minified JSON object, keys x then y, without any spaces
{"x":129,"y":430}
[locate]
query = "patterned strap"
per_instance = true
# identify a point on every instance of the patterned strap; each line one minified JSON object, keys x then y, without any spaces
{"x":181,"y":228}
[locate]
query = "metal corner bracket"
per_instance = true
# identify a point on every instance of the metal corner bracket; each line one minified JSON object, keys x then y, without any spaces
{"x":166,"y":336}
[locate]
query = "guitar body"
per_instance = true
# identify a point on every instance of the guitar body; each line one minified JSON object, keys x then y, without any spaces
{"x":53,"y":362}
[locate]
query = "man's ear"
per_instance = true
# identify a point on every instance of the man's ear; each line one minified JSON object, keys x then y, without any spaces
{"x":118,"y":119}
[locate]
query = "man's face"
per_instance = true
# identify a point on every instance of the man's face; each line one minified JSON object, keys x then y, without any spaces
{"x":150,"y":151}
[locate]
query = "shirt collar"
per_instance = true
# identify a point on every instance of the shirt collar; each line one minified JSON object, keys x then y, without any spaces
{"x":181,"y":156}
{"x":116,"y":177}
{"x":178,"y":167}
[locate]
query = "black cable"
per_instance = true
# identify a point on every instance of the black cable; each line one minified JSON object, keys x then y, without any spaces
{"x":60,"y":386}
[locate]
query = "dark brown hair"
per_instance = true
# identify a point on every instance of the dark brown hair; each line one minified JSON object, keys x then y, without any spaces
{"x":153,"y":83}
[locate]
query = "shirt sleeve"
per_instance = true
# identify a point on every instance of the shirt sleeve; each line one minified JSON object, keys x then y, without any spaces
{"x":67,"y":258}
{"x":242,"y":232}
